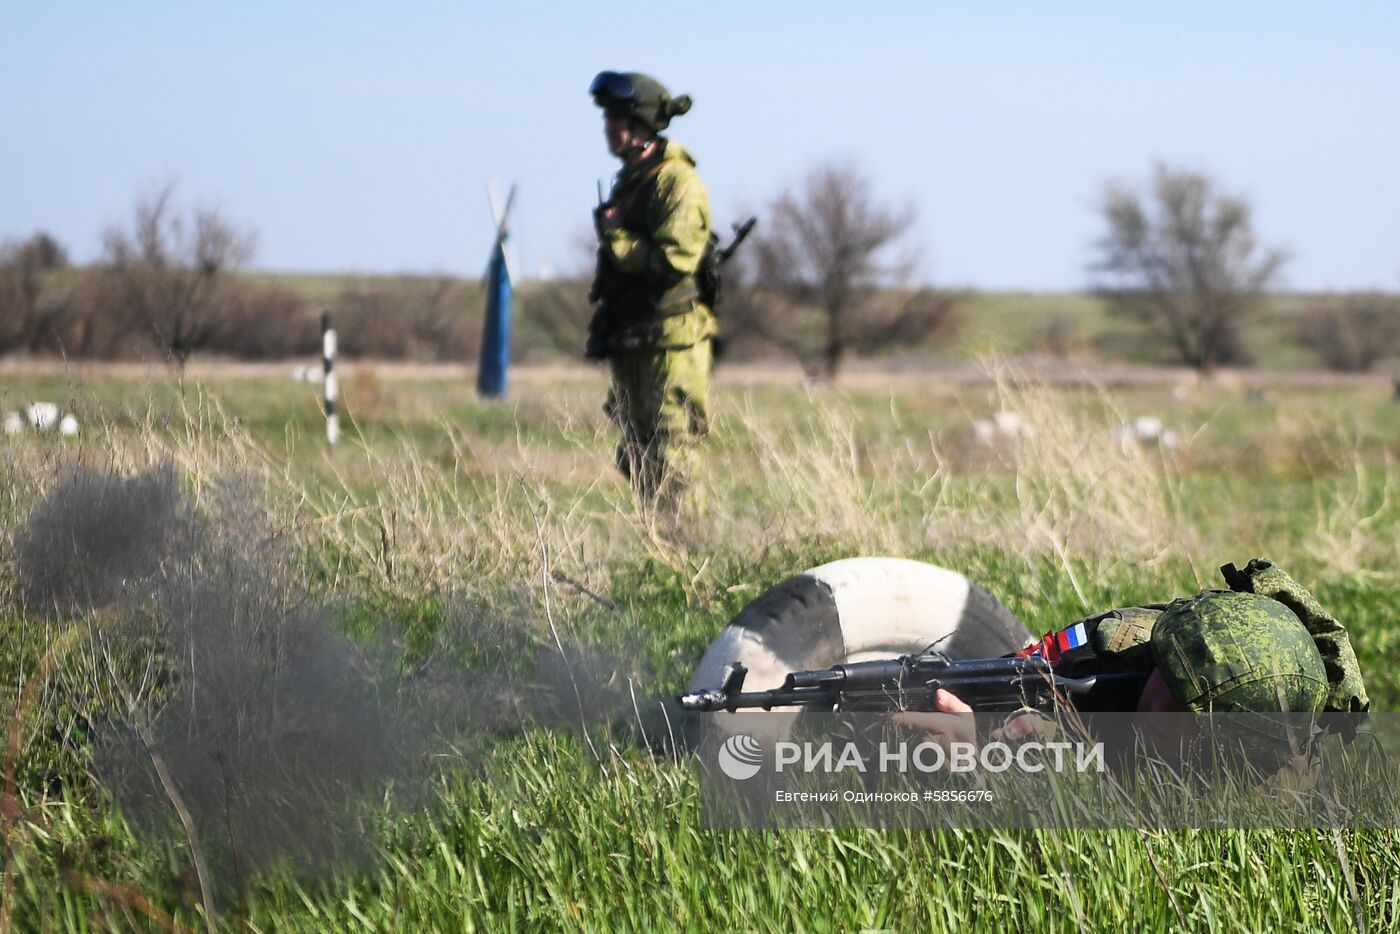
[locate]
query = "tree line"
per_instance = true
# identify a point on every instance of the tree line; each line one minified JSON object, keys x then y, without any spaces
{"x":170,"y":283}
{"x":828,"y":276}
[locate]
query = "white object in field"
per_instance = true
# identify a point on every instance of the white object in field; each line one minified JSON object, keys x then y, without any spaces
{"x":1009,"y":423}
{"x":858,"y":609}
{"x":14,"y":423}
{"x":1180,"y":392}
{"x":1003,"y":424}
{"x":889,"y":607}
{"x":68,"y":427}
{"x":1147,"y":428}
{"x":308,"y":374}
{"x":853,"y":610}
{"x":42,"y":416}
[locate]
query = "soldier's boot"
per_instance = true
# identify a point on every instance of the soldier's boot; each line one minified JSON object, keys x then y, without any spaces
{"x":674,"y":463}
{"x":657,"y":472}
{"x":640,"y":462}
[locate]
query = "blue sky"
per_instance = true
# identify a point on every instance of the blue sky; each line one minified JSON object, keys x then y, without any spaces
{"x":359,"y":137}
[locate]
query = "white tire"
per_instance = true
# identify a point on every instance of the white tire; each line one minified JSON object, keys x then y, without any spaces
{"x":859,"y":609}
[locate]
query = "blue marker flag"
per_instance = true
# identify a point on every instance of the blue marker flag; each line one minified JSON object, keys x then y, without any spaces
{"x":495,"y":339}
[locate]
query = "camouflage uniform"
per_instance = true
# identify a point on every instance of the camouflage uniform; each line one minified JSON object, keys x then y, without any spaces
{"x":1264,"y":645}
{"x":1262,"y":648}
{"x":650,"y":322}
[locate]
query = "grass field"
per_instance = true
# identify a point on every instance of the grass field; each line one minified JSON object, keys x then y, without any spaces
{"x":490,"y":572}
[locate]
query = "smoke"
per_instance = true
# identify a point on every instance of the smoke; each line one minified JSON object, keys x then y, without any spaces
{"x":98,"y":540}
{"x":288,"y":743}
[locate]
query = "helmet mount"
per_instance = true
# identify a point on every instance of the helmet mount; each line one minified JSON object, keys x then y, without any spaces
{"x":640,"y":97}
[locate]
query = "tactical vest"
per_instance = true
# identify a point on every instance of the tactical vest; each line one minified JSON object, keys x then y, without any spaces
{"x":630,"y":303}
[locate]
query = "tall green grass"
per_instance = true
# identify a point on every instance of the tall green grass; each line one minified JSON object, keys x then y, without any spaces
{"x":436,"y":497}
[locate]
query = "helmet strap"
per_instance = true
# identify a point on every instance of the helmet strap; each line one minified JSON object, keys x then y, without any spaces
{"x":636,"y":150}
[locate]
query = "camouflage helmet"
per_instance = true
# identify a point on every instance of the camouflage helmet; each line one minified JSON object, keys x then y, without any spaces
{"x":639,"y":96}
{"x":1228,"y":651}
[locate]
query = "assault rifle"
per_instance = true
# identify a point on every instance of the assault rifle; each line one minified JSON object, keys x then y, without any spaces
{"x":740,"y":232}
{"x":910,"y":683}
{"x":709,"y":276}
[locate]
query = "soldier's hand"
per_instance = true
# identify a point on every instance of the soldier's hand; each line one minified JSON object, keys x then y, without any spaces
{"x":951,"y":723}
{"x":608,"y":217}
{"x":1026,"y":725}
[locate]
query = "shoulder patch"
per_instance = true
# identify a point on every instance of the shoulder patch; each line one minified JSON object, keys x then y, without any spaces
{"x":1124,"y":629}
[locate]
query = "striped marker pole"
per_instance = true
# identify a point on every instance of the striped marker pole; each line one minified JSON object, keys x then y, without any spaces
{"x":328,"y":361}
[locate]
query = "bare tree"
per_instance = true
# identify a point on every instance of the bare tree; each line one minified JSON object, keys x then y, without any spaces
{"x":554,"y":313}
{"x":1352,"y":332}
{"x":410,"y":317}
{"x":259,"y":322}
{"x":1186,"y":262}
{"x":35,"y":311}
{"x":554,"y":316}
{"x":169,"y":274}
{"x":824,"y":282}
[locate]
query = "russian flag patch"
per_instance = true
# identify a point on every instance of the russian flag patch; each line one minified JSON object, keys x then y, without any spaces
{"x":1071,"y":638}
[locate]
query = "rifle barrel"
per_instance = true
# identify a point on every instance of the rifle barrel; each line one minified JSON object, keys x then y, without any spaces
{"x":912,"y":681}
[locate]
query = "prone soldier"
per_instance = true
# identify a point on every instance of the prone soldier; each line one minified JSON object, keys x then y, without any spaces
{"x":1265,"y":646}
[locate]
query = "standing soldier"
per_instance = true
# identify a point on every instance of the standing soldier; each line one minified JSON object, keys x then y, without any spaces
{"x":650,"y":321}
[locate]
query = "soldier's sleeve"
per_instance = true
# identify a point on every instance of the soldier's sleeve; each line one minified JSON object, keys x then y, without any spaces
{"x":674,"y":246}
